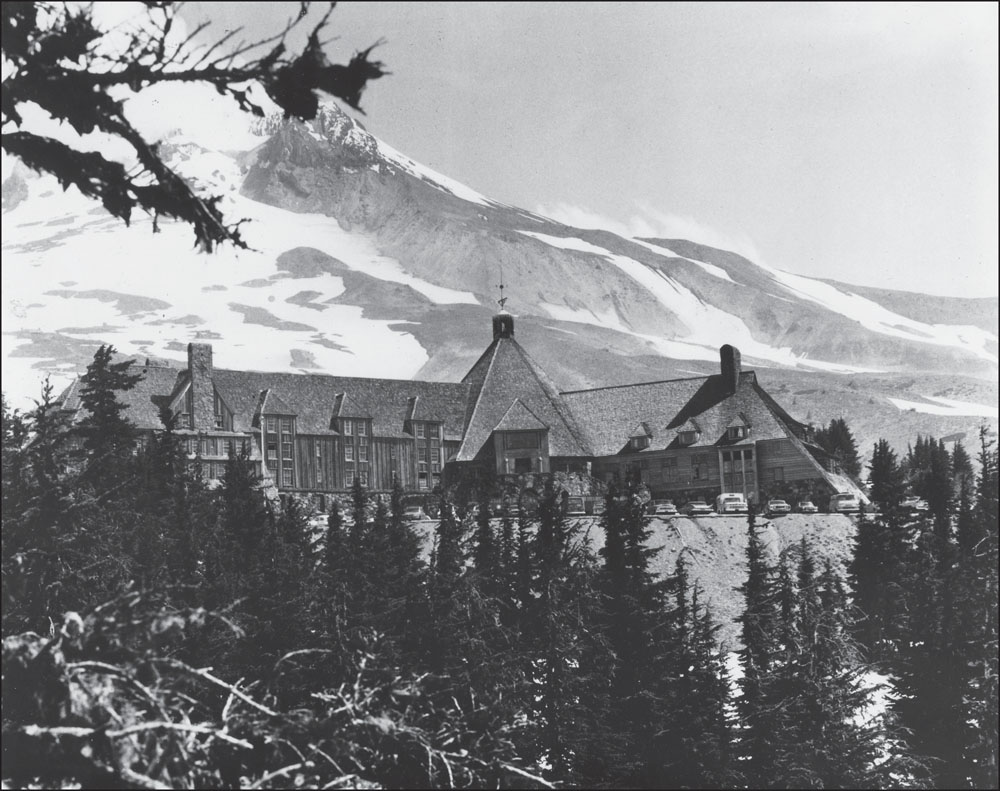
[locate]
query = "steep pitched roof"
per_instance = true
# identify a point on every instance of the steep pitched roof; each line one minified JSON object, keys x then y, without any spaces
{"x":608,"y":414}
{"x":519,"y":418}
{"x":315,"y":398}
{"x":503,"y":374}
{"x":273,"y":404}
{"x":641,"y":430}
{"x":310,"y":397}
{"x":702,"y":404}
{"x":346,"y":405}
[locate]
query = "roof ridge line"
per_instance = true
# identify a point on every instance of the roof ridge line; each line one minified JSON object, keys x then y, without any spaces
{"x":563,"y":411}
{"x":642,"y":384}
{"x":517,"y":400}
{"x":472,"y":417}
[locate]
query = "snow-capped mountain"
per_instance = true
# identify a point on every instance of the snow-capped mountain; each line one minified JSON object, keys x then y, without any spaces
{"x":365,"y":262}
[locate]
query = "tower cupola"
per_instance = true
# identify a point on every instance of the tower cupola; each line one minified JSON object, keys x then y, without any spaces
{"x":503,"y":322}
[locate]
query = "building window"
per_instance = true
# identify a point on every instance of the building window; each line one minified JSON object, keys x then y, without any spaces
{"x":363,"y":453}
{"x":362,"y":440}
{"x":392,"y":451}
{"x":272,"y":466}
{"x":687,"y":437}
{"x":736,"y":432}
{"x":362,"y":428}
{"x":435,"y":466}
{"x":436,"y":431}
{"x":286,"y":476}
{"x":348,"y":427}
{"x":349,"y":478}
{"x":422,"y":455}
{"x":286,"y":425}
{"x":421,"y":430}
{"x":271,"y":424}
{"x":363,"y":477}
{"x":522,"y":439}
{"x":348,"y":452}
{"x":319,"y":476}
{"x":272,"y":450}
{"x":422,"y":480}
{"x":639,"y":443}
{"x":522,"y":466}
{"x":286,"y":451}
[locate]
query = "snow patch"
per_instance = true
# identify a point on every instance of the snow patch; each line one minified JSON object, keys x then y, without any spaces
{"x":132,"y":261}
{"x":712,"y":269}
{"x":434,"y":178}
{"x":708,"y":327}
{"x":946,"y":406}
{"x":873,"y":316}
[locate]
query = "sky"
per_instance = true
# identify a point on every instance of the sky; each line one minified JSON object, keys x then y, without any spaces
{"x":851,"y":141}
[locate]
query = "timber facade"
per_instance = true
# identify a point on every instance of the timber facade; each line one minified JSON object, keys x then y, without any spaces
{"x":313,"y":434}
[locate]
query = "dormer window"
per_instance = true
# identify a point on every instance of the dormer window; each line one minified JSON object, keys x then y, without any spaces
{"x":640,"y":437}
{"x":736,"y":432}
{"x":687,"y":437}
{"x":223,"y":417}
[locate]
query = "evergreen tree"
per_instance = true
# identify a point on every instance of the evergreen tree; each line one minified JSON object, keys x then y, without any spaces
{"x":961,"y":467}
{"x":837,"y":440}
{"x":485,"y":556}
{"x":886,"y":478}
{"x":692,"y":739}
{"x":759,"y":622}
{"x":108,"y":435}
{"x":646,"y":643}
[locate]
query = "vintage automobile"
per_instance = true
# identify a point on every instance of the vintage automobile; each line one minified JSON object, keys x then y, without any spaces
{"x":776,"y":507}
{"x":913,"y":504}
{"x":664,"y":508}
{"x":695,"y":508}
{"x":731,"y":503}
{"x":844,"y":503}
{"x":807,"y":507}
{"x":413,"y":513}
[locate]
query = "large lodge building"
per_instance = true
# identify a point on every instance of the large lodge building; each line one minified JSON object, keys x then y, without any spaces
{"x":313,"y":434}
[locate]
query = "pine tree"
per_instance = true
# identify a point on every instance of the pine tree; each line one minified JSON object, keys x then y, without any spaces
{"x":692,"y":738}
{"x":645,"y":642}
{"x":886,"y":478}
{"x":108,"y":435}
{"x":838,"y":441}
{"x":485,"y":555}
{"x":877,"y":570}
{"x":759,"y":622}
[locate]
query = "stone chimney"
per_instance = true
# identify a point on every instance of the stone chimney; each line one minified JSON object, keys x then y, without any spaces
{"x":503,"y":325}
{"x":202,"y":389}
{"x":731,"y":367}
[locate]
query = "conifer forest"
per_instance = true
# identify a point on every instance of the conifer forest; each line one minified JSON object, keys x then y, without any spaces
{"x":160,"y":632}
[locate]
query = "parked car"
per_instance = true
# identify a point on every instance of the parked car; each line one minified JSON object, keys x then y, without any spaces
{"x":775,"y":507}
{"x":664,"y":508}
{"x":731,"y":503}
{"x":413,"y":513}
{"x":913,"y":504}
{"x":575,"y":506}
{"x":845,"y":503}
{"x":807,"y":507}
{"x":697,"y":509}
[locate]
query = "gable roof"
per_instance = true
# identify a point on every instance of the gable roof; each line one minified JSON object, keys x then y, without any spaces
{"x":273,"y":404}
{"x":641,"y":430}
{"x":502,"y":375}
{"x":310,"y":397}
{"x":703,"y":404}
{"x":519,"y":418}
